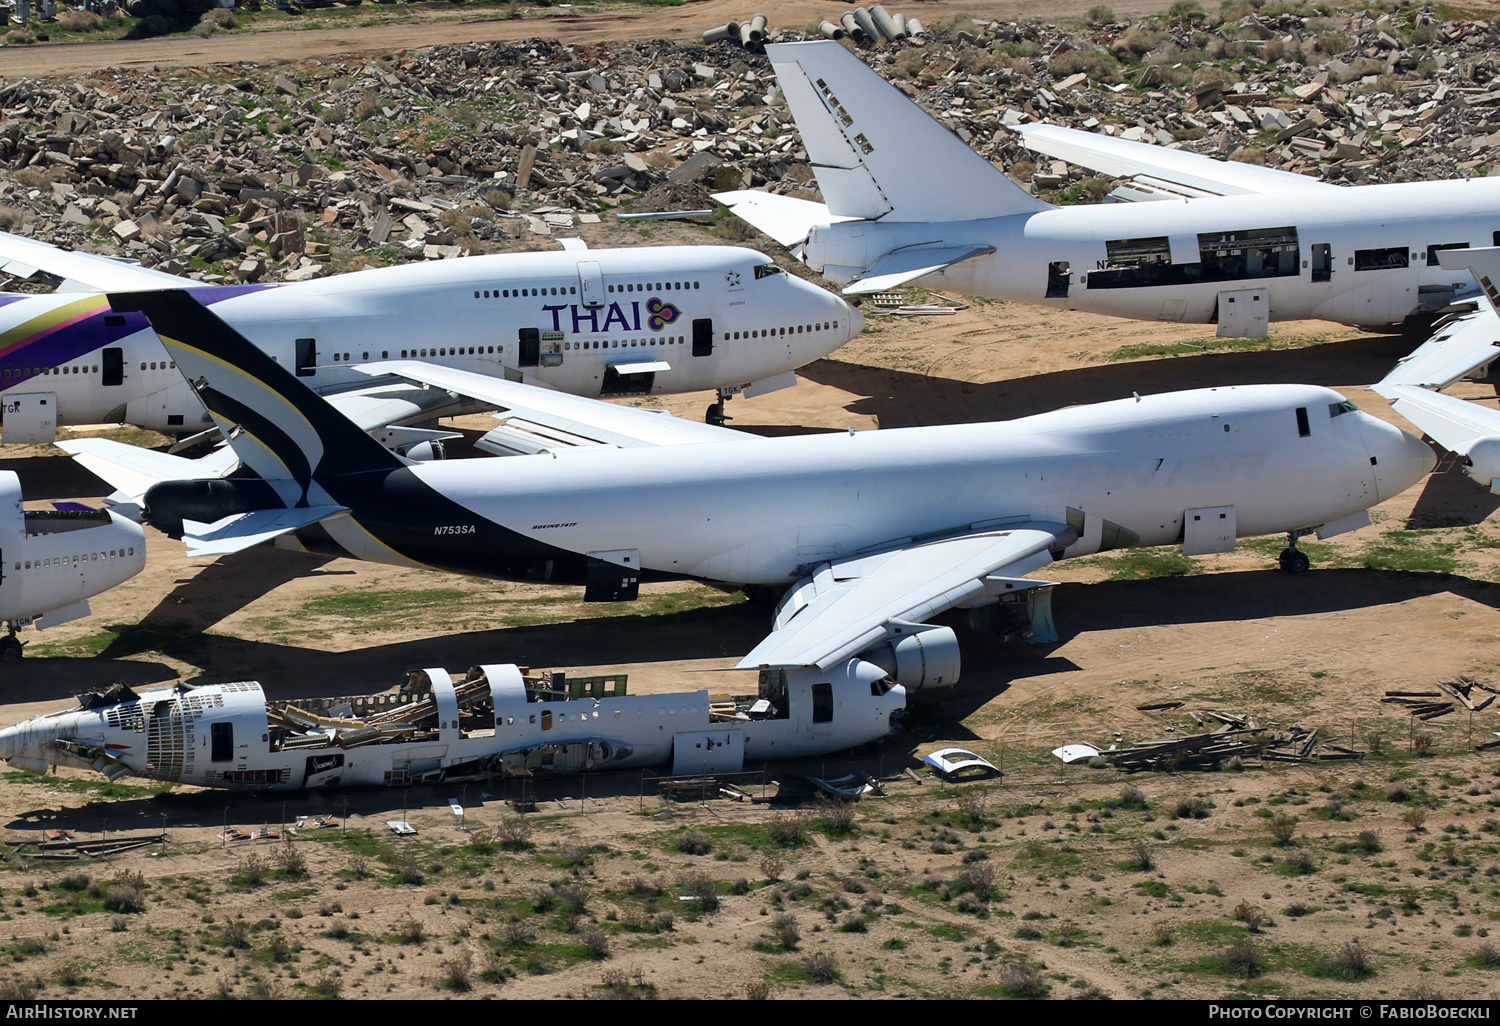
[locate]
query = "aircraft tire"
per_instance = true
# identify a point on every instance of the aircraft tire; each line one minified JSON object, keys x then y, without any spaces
{"x":10,"y":650}
{"x":1294,"y":561}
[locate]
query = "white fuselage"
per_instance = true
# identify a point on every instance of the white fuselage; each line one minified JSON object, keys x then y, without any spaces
{"x":762,"y":511}
{"x":1354,"y":255}
{"x":687,"y":317}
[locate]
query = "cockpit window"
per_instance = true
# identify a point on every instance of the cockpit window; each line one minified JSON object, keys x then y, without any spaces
{"x":766,"y":270}
{"x":1339,"y":409}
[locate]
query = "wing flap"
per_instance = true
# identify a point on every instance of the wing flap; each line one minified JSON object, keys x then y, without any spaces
{"x":1459,"y":349}
{"x":242,"y":530}
{"x":570,"y":415}
{"x":844,"y":608}
{"x":904,"y":265}
{"x":1123,"y":158}
{"x":380,"y":406}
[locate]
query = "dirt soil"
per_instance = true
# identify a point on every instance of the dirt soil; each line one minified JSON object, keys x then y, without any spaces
{"x":277,"y":38}
{"x":1048,"y":881}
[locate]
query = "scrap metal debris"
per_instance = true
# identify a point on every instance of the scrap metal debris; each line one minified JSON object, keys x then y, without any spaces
{"x":1251,"y":745}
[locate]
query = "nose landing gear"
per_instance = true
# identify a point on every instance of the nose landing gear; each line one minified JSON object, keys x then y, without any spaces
{"x":1292,"y":559}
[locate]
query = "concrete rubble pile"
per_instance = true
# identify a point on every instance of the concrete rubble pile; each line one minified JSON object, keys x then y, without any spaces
{"x":289,"y":172}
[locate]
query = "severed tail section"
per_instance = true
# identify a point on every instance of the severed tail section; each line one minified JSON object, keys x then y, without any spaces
{"x":877,"y":155}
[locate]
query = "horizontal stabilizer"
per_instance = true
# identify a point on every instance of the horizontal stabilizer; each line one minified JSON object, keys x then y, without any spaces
{"x":131,"y":471}
{"x":242,"y":530}
{"x":904,"y":265}
{"x":784,"y":218}
{"x":563,"y":416}
{"x":846,"y":607}
{"x":877,"y":154}
{"x":23,"y":257}
{"x":1122,"y":158}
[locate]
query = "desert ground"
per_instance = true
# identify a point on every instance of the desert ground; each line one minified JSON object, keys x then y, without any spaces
{"x":1370,"y":878}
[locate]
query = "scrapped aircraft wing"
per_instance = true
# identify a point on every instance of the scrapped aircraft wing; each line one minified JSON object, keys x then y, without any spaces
{"x":786,"y":219}
{"x":82,"y":272}
{"x":555,"y":420}
{"x":131,"y":471}
{"x":904,"y":265}
{"x":845,"y":607}
{"x":1192,"y":173}
{"x":1460,"y":348}
{"x":1455,"y":424}
{"x":242,"y":530}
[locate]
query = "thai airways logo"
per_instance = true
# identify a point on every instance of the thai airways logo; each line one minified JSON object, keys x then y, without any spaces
{"x":661,"y":314}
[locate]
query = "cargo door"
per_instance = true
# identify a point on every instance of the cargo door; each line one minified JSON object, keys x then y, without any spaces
{"x":1244,"y":313}
{"x":1207,"y":530}
{"x":29,"y":418}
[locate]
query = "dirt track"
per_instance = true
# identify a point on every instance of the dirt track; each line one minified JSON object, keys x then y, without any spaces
{"x":338,"y":32}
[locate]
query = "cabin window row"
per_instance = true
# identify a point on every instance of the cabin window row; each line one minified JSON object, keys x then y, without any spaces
{"x":572,"y":290}
{"x":794,"y":329}
{"x":628,"y":343}
{"x":74,"y":560}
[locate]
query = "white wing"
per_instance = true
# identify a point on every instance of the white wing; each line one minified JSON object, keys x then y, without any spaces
{"x":1184,"y":173}
{"x":904,"y":265}
{"x":844,"y":608}
{"x":536,"y":419}
{"x":242,"y":530}
{"x":82,"y":272}
{"x":132,"y":470}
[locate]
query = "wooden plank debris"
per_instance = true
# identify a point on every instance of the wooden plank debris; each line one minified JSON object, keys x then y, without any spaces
{"x":1243,"y":739}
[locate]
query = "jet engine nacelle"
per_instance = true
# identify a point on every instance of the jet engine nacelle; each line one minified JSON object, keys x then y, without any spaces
{"x":168,"y":503}
{"x":927,"y":657}
{"x":1484,"y":462}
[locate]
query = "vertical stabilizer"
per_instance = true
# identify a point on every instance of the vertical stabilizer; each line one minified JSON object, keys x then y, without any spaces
{"x":877,"y":155}
{"x":276,"y":425}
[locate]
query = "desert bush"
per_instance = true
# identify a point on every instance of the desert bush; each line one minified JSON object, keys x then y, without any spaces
{"x":1142,"y":855}
{"x":784,"y":933}
{"x":407,"y":930}
{"x":1486,"y":956}
{"x":980,"y":880}
{"x":1163,"y":933}
{"x":973,"y":807}
{"x":574,"y":897}
{"x":263,"y":988}
{"x":1414,"y":818}
{"x":287,"y":855}
{"x":1283,"y":827}
{"x":702,"y":889}
{"x":1250,"y":915}
{"x":1096,"y":64}
{"x":695,"y":842}
{"x":596,"y":943}
{"x":80,"y":21}
{"x":513,"y":832}
{"x":1099,"y":15}
{"x":514,"y":933}
{"x":821,"y":966}
{"x":1023,"y":980}
{"x":219,"y":17}
{"x":772,"y":867}
{"x":235,"y":934}
{"x":1191,"y":808}
{"x":1350,"y":962}
{"x":1300,"y":862}
{"x":1242,"y":958}
{"x":788,"y":829}
{"x":1132,"y":797}
{"x":20,"y":37}
{"x":759,"y":990}
{"x":252,"y":871}
{"x":836,"y":816}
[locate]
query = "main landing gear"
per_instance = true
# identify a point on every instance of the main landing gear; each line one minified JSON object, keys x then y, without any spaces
{"x":10,"y":646}
{"x":715,"y":413}
{"x":1293,"y":560}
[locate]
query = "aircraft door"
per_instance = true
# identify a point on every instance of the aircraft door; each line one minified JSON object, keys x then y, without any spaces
{"x":590,"y":283}
{"x":1322,"y":262}
{"x":113,"y":367}
{"x":29,"y":418}
{"x":703,"y":337}
{"x":531,"y":347}
{"x":306,"y":357}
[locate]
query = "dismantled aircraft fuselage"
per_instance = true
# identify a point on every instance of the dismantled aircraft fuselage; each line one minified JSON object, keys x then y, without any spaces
{"x":493,"y":720}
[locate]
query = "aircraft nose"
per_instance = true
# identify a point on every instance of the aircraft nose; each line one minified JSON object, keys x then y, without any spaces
{"x":855,"y":318}
{"x":1401,"y":460}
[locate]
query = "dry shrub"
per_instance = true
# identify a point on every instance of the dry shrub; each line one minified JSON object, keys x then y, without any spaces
{"x":596,"y":943}
{"x":909,"y":62}
{"x":1023,"y":980}
{"x":20,"y":37}
{"x":788,"y":829}
{"x":1242,"y":958}
{"x":784,"y":932}
{"x":514,"y":831}
{"x":80,"y":21}
{"x":772,"y":867}
{"x":1163,"y":933}
{"x":695,"y":842}
{"x":458,"y":970}
{"x":1283,"y":827}
{"x":514,"y":933}
{"x":607,"y":147}
{"x":1099,"y":15}
{"x":1096,"y":64}
{"x":1250,"y":915}
{"x":702,"y":889}
{"x":1140,"y":41}
{"x":821,"y":966}
{"x":289,"y":858}
{"x":1414,"y":817}
{"x":219,"y":17}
